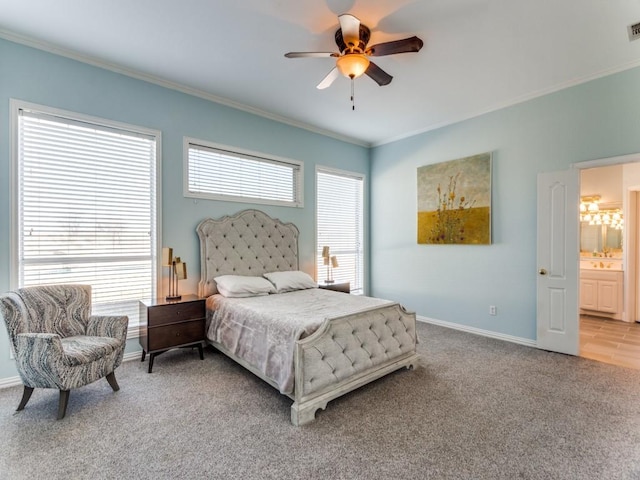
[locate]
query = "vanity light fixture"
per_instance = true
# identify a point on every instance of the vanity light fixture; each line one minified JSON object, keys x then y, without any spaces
{"x":591,"y":213}
{"x":589,"y":204}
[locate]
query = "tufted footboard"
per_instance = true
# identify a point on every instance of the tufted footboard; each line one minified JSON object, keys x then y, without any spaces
{"x":344,"y":353}
{"x":348,"y":352}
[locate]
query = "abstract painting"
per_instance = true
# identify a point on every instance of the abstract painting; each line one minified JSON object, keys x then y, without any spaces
{"x":454,"y":201}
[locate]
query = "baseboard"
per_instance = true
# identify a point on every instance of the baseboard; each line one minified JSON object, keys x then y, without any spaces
{"x":15,"y":381}
{"x":132,"y":356}
{"x":478,"y":331}
{"x":10,"y":382}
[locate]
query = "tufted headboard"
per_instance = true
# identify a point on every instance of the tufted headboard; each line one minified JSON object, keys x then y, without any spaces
{"x":247,"y":243}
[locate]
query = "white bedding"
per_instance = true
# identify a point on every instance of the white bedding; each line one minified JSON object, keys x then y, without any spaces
{"x":263,"y":330}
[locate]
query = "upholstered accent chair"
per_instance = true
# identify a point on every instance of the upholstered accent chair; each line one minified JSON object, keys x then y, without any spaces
{"x":58,"y":343}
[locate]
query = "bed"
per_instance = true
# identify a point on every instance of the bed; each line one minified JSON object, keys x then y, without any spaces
{"x":346,"y":341}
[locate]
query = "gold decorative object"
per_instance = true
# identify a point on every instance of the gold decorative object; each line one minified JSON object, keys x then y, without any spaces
{"x":177,"y":271}
{"x":331,"y":262}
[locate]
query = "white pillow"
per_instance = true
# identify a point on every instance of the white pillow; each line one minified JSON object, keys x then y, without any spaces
{"x":240,"y":286}
{"x":289,"y":281}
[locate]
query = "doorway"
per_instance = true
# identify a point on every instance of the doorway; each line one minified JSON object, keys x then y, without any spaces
{"x":608,"y":273}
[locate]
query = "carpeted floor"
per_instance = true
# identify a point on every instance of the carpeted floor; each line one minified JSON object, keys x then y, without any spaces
{"x":477,"y":408}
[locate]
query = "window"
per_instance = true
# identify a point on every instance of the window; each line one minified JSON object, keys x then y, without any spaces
{"x":340,"y":225}
{"x":220,"y":173}
{"x":85,"y":206}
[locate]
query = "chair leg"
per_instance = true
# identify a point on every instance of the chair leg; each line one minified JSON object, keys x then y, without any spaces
{"x":26,"y":395}
{"x":111,"y":378}
{"x":62,"y":404}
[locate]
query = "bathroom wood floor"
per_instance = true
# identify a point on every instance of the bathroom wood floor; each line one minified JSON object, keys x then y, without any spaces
{"x":610,"y":341}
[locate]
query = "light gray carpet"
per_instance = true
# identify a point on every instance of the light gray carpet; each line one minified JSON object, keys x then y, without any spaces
{"x":477,"y":408}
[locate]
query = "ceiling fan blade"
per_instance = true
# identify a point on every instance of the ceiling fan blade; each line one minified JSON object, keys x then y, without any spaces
{"x":378,"y":75}
{"x":311,"y":54}
{"x":328,"y":80}
{"x":350,"y":27}
{"x":413,"y":44}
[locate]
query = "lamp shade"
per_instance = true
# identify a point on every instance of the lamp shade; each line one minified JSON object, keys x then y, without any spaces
{"x":167,"y":256}
{"x":352,"y":65}
{"x":334,"y":262}
{"x":181,"y":270}
{"x":325,"y":252}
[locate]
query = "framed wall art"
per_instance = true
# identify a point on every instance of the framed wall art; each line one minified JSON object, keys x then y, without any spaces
{"x":454,"y":201}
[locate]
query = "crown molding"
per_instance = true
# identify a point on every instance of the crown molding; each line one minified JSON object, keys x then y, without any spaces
{"x":113,"y":67}
{"x":515,"y":101}
{"x":97,"y":62}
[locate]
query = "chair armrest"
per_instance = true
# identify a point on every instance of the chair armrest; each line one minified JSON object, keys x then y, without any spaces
{"x":108,"y":326}
{"x":40,"y":359}
{"x":29,"y":343}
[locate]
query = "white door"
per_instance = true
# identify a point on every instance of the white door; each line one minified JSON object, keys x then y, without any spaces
{"x":557,"y":285}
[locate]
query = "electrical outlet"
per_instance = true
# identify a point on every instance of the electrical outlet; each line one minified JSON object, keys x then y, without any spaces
{"x":492,"y":310}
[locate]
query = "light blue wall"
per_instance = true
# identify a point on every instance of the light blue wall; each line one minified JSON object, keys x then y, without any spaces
{"x":39,"y":77}
{"x":451,"y":283}
{"x":456,"y":283}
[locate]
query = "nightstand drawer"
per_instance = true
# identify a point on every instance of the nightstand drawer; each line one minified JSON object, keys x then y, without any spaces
{"x":166,"y":314}
{"x":169,"y":336}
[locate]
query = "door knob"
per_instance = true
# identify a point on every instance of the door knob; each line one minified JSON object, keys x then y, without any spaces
{"x":542,"y":271}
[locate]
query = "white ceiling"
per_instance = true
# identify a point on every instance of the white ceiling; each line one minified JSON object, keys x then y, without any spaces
{"x":478,"y":55}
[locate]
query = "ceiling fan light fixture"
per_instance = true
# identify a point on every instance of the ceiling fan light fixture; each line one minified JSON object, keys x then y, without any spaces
{"x":352,"y":65}
{"x":352,"y":60}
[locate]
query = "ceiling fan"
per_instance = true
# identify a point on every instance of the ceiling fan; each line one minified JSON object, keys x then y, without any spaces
{"x":352,"y":60}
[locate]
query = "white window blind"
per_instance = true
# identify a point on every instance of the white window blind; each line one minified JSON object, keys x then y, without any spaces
{"x":87,"y":209}
{"x":219,"y":173}
{"x":340,"y":225}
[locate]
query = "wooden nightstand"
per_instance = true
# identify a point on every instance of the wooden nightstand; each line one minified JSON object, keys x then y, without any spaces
{"x":167,"y":324}
{"x":338,"y":287}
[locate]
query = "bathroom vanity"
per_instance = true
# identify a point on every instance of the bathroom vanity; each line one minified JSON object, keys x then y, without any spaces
{"x":601,"y":287}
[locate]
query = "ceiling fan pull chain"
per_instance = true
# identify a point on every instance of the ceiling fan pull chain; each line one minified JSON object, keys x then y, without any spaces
{"x":353,"y":103}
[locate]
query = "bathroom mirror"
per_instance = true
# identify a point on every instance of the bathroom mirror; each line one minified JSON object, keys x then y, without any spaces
{"x":597,"y":237}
